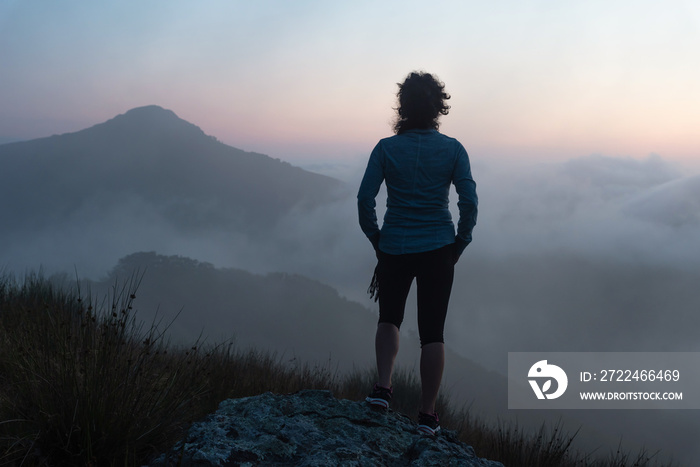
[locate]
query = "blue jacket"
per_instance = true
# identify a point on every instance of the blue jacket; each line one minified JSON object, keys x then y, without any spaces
{"x":418,"y":167}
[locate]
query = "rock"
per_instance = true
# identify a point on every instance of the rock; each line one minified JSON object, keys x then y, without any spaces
{"x":313,"y":428}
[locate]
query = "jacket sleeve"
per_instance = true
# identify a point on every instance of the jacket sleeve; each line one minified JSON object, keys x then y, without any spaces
{"x":366,"y":204}
{"x":468,"y":201}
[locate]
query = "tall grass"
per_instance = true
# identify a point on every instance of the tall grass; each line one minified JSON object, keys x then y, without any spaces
{"x":83,"y":382}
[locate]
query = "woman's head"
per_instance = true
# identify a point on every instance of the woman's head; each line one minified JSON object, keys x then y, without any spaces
{"x":421,"y":102}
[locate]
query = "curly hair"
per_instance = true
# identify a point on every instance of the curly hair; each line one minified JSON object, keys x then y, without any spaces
{"x":421,"y":100}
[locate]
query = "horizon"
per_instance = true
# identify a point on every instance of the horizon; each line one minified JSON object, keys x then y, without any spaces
{"x":316,"y":82}
{"x":349,"y":169}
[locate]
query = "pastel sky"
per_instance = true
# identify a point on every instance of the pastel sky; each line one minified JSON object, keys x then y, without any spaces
{"x":315,"y":80}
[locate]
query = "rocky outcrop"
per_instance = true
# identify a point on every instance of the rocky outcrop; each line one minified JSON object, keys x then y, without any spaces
{"x":313,"y":428}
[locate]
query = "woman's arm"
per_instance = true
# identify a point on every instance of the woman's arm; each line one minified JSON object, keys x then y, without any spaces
{"x":366,"y":204}
{"x":468,"y":201}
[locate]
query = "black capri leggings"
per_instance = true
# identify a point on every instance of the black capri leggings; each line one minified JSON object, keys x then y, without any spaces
{"x":434,"y":274}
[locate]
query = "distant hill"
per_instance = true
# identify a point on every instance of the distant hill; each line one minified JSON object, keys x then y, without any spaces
{"x":149,"y":157}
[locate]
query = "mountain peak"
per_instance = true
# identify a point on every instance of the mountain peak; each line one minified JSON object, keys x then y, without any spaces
{"x":152,"y":118}
{"x":150,"y":154}
{"x":151,"y":111}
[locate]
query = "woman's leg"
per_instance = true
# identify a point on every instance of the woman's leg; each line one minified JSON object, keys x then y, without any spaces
{"x":432,"y":362}
{"x":394,"y":277}
{"x":434,"y":280}
{"x":386,"y":344}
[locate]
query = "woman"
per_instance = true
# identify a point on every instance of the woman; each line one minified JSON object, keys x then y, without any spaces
{"x":417,"y":238}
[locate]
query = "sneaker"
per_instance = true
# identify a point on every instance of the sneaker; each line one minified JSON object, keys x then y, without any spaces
{"x":428,"y":424}
{"x":380,"y":397}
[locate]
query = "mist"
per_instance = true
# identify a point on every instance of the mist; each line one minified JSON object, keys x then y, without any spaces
{"x":587,"y":254}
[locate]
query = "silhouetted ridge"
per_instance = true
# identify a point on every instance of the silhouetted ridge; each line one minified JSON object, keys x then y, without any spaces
{"x":149,"y":112}
{"x":148,"y":121}
{"x":151,"y":158}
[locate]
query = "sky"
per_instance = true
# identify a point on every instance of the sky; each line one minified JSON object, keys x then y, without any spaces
{"x":311,"y":81}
